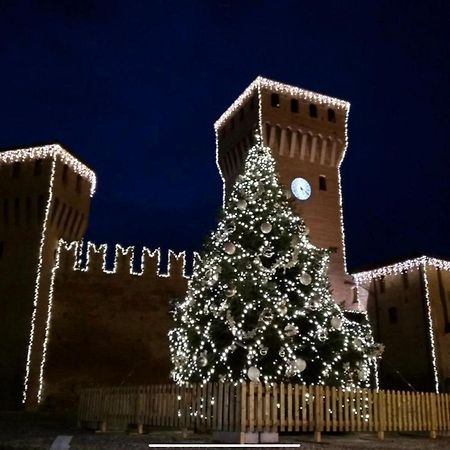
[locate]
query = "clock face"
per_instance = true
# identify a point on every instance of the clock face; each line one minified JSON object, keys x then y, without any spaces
{"x":301,"y":188}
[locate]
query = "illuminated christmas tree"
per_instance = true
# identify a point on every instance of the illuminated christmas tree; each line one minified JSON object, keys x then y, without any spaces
{"x":258,"y":305}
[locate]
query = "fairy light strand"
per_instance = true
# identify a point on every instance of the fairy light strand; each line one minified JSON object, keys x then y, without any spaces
{"x":430,"y":328}
{"x":38,"y":280}
{"x":52,"y":151}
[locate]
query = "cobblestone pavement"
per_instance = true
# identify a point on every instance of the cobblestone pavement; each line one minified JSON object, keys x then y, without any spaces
{"x":38,"y":432}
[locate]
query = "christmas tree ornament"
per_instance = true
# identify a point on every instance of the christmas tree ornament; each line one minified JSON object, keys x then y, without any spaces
{"x":257,"y":261}
{"x":282,"y":309}
{"x":230,"y":227}
{"x":229,"y":248}
{"x":282,"y":352}
{"x":288,"y":194}
{"x":231,"y":291}
{"x":305,"y":278}
{"x":266,"y":227}
{"x":322,"y":335}
{"x":248,"y":266}
{"x":295,"y":241}
{"x":267,"y":251}
{"x":299,"y":364}
{"x":253,"y":374}
{"x":290,"y":330}
{"x":202,"y":360}
{"x":263,"y":350}
{"x":336,"y":322}
{"x":266,"y":316}
{"x":241,"y":204}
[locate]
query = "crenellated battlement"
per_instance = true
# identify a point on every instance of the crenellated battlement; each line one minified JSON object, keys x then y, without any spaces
{"x":93,"y":259}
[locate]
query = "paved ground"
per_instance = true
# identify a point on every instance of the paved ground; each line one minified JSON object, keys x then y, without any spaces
{"x":38,"y":432}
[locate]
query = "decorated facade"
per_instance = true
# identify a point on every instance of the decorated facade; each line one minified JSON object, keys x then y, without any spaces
{"x":69,"y":321}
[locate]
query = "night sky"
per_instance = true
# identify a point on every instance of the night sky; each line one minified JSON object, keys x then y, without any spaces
{"x":132,"y":88}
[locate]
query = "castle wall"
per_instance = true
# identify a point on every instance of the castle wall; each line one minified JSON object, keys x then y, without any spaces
{"x":439,"y":295}
{"x":398,"y":314}
{"x":110,"y":327}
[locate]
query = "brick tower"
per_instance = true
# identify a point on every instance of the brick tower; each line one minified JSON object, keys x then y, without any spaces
{"x":307,"y":133}
{"x":44,"y":196}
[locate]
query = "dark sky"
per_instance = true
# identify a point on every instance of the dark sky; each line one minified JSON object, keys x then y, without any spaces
{"x":133,"y":88}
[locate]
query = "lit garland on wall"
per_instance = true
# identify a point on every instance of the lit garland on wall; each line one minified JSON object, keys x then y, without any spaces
{"x":430,"y":327}
{"x":410,"y":265}
{"x":404,"y":266}
{"x":281,"y":88}
{"x":38,"y":279}
{"x":67,"y":246}
{"x":101,"y":249}
{"x":53,"y":151}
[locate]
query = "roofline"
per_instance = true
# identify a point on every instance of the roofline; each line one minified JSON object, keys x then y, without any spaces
{"x":50,"y":151}
{"x":281,"y":88}
{"x":400,"y":267}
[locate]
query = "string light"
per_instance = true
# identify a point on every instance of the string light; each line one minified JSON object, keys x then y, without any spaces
{"x":281,"y":88}
{"x":53,"y":151}
{"x":38,"y":279}
{"x":430,"y":327}
{"x":400,"y":267}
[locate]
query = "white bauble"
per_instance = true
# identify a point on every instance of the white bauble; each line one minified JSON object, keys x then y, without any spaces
{"x":241,"y":204}
{"x":266,"y":227}
{"x":253,"y":373}
{"x":263,"y":350}
{"x":282,"y":309}
{"x":336,"y":322}
{"x":298,"y":364}
{"x":290,"y":330}
{"x":305,"y":279}
{"x":229,"y":248}
{"x":282,"y":352}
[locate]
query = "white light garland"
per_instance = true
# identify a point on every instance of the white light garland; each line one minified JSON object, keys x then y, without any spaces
{"x":68,"y":247}
{"x":281,"y":88}
{"x":430,"y":328}
{"x":38,"y":280}
{"x":52,"y":151}
{"x":341,"y":210}
{"x":404,"y":266}
{"x":120,"y":252}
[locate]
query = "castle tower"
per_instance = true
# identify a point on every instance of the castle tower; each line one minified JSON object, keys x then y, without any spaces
{"x":307,"y":133}
{"x":44,"y":196}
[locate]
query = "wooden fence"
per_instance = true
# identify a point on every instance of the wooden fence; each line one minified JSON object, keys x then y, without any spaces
{"x":250,"y":407}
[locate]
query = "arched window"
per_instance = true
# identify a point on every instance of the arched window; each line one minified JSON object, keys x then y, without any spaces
{"x":275,"y":100}
{"x":312,"y":110}
{"x":331,"y":115}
